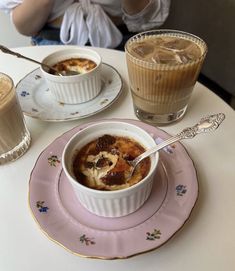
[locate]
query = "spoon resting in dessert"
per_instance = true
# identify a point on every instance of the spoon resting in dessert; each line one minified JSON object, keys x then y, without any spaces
{"x":206,"y":124}
{"x":49,"y":68}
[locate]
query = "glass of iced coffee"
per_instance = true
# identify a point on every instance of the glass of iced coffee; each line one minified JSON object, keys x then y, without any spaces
{"x":14,"y":136}
{"x":163,"y":67}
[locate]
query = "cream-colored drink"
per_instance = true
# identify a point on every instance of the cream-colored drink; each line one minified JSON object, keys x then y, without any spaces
{"x":163,"y":70}
{"x":14,"y":136}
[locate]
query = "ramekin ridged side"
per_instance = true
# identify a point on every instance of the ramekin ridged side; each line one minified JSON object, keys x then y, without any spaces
{"x":116,"y":206}
{"x":78,"y":91}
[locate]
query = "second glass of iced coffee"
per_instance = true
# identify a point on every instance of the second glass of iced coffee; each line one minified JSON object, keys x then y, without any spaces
{"x":14,"y":136}
{"x":163,"y":67}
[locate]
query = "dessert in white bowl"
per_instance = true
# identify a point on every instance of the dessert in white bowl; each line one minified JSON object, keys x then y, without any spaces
{"x":78,"y":88}
{"x":95,"y":160}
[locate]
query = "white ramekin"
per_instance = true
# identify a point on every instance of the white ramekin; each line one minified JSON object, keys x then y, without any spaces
{"x":110,"y":203}
{"x":76,"y":88}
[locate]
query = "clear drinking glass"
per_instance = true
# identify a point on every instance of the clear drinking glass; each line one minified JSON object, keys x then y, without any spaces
{"x":163,"y":67}
{"x":14,"y":136}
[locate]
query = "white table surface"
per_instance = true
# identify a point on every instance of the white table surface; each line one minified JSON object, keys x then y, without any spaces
{"x":207,"y":240}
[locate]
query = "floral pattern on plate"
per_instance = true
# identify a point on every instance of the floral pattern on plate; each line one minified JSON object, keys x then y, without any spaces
{"x":36,"y":100}
{"x":68,"y":223}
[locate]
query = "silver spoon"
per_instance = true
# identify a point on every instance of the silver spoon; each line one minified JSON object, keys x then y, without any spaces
{"x":64,"y":73}
{"x":206,"y":124}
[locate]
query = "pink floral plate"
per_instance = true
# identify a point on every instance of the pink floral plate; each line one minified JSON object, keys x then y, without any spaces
{"x":64,"y":220}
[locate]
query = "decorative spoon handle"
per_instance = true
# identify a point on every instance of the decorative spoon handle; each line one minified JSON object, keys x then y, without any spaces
{"x":206,"y":124}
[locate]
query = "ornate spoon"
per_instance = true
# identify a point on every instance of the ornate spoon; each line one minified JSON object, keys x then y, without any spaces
{"x":54,"y":71}
{"x":206,"y":124}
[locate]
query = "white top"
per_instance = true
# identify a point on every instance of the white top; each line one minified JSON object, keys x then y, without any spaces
{"x":206,"y":242}
{"x":87,"y":19}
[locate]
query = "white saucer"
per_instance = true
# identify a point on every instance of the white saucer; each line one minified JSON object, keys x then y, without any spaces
{"x":36,"y":100}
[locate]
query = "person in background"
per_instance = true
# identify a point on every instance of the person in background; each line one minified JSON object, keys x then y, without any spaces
{"x":99,"y":23}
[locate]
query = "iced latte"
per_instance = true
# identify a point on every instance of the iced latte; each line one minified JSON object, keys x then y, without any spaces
{"x":163,"y":67}
{"x":14,"y":136}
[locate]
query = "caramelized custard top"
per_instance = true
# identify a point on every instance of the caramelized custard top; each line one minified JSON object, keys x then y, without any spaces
{"x":80,"y":65}
{"x":102,"y":164}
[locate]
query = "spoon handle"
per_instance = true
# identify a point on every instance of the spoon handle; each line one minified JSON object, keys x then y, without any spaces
{"x":206,"y":124}
{"x":8,"y":51}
